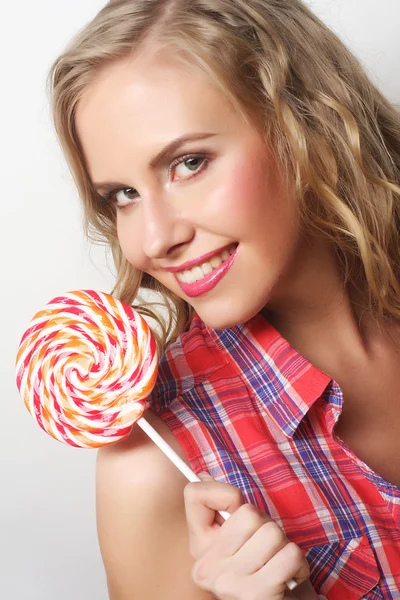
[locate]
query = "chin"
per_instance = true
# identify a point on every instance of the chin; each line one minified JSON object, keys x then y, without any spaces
{"x":228,"y":316}
{"x":220,"y":323}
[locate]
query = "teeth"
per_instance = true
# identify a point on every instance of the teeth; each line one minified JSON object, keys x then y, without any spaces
{"x":206,"y":268}
{"x":225,"y":255}
{"x":215,"y":261}
{"x":200,"y":271}
{"x":189,"y":277}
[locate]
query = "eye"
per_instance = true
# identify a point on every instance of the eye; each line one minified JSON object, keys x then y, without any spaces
{"x":125,"y":197}
{"x":193,"y":162}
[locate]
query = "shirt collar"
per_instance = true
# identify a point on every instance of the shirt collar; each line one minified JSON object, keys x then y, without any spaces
{"x":285,"y":382}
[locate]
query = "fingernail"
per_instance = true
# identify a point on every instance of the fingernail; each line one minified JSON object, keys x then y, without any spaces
{"x":204,"y":475}
{"x":292,"y":585}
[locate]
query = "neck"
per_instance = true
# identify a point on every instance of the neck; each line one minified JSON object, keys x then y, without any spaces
{"x":315,"y":312}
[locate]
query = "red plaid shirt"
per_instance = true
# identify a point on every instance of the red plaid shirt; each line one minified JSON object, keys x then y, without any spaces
{"x":250,"y":410}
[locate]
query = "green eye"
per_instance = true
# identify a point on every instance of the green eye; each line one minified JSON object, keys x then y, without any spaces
{"x":196,"y":166}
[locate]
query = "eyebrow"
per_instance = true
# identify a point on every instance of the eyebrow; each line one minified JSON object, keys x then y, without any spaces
{"x":104,"y":187}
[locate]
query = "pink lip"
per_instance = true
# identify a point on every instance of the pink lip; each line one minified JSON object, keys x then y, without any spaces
{"x":196,"y":261}
{"x":198,"y":288}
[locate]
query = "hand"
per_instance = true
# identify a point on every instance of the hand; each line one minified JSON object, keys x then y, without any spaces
{"x":247,"y":557}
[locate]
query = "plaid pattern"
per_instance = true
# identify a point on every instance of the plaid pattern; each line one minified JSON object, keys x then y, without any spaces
{"x":247,"y":408}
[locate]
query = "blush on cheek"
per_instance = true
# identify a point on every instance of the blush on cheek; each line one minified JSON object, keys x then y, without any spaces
{"x":244,"y":193}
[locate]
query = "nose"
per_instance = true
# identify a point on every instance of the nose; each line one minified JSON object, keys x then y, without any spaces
{"x":164,"y":229}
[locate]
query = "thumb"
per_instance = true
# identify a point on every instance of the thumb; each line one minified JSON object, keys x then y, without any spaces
{"x":203,"y":500}
{"x":204,"y":476}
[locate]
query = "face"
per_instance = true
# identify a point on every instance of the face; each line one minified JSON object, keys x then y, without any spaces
{"x":210,"y":219}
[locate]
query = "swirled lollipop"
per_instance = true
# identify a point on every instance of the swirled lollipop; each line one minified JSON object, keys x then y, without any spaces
{"x":85,"y":366}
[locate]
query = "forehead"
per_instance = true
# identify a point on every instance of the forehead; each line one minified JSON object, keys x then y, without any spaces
{"x":139,"y":104}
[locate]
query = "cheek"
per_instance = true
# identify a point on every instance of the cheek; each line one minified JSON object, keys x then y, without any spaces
{"x":244,"y":197}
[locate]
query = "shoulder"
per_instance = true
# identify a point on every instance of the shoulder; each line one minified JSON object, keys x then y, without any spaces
{"x":137,"y":466}
{"x":140,"y":509}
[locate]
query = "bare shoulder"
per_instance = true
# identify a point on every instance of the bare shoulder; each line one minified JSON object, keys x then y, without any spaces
{"x":141,"y":519}
{"x":140,"y":461}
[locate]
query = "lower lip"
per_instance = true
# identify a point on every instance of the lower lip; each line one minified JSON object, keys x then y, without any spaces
{"x":198,"y":288}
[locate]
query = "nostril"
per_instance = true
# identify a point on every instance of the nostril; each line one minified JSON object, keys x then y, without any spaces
{"x":176,"y":249}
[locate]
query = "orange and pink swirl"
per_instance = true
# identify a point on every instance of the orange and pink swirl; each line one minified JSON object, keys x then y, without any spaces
{"x":85,"y":366}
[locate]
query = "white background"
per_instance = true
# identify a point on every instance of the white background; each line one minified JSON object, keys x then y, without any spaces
{"x":48,"y":543}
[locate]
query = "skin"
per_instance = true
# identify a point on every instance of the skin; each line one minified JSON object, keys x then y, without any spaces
{"x":132,"y":109}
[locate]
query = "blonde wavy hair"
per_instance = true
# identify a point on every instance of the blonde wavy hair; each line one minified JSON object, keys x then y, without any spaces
{"x":335,"y":137}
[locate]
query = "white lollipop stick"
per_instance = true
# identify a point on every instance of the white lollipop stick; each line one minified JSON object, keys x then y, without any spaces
{"x":182,"y":466}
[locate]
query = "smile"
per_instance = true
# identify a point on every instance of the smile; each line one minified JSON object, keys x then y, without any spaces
{"x":200,"y":271}
{"x":204,"y":277}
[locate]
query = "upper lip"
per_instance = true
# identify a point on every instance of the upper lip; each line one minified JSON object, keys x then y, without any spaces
{"x":197,"y":261}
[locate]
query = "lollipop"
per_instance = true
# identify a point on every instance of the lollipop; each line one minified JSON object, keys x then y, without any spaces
{"x":85,"y":366}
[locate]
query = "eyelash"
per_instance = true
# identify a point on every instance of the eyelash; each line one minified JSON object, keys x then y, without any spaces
{"x":111,"y":196}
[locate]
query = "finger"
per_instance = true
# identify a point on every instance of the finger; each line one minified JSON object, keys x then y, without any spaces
{"x":204,"y":476}
{"x":266,"y":541}
{"x":288,"y":563}
{"x":202,"y":500}
{"x":239,"y":530}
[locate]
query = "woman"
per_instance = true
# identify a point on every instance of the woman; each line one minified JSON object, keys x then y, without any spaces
{"x":240,"y":163}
